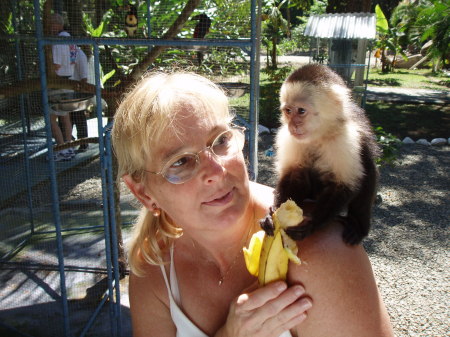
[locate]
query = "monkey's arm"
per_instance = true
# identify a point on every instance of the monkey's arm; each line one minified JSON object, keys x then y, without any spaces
{"x":332,"y":199}
{"x":359,"y":215}
{"x":295,"y":184}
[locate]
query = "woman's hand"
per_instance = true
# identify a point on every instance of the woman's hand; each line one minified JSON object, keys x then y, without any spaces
{"x":267,"y":311}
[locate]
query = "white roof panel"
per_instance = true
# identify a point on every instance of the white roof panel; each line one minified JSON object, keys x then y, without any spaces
{"x":342,"y":26}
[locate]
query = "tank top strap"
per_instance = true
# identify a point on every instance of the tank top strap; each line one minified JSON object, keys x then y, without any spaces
{"x":173,"y":279}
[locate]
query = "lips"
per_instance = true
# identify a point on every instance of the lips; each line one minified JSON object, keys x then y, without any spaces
{"x":220,"y":199}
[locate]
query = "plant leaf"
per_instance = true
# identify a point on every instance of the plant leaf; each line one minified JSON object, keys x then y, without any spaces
{"x":382,"y":23}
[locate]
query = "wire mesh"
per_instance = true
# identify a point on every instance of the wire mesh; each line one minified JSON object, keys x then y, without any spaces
{"x":57,"y":265}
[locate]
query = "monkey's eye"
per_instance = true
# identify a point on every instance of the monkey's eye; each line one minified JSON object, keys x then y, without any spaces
{"x":287,"y":111}
{"x":301,"y":111}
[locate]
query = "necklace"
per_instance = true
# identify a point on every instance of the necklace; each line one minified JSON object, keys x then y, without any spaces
{"x":222,"y":277}
{"x":244,"y":241}
{"x":236,"y":258}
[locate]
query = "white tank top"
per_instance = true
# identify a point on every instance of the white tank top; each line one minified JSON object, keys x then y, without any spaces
{"x":185,"y":327}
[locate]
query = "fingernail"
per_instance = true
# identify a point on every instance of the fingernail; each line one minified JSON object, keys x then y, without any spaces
{"x":307,"y":304}
{"x":298,"y":290}
{"x":281,"y":286}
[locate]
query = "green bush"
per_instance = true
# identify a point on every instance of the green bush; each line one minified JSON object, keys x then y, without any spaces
{"x":389,"y":146}
{"x":269,"y":111}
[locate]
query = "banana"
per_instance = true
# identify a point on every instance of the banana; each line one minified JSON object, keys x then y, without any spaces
{"x":268,"y":256}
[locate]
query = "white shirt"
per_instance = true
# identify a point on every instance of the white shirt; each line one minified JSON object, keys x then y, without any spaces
{"x":80,"y":70}
{"x":65,"y":56}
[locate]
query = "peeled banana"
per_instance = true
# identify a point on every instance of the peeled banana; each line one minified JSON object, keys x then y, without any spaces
{"x":268,"y":256}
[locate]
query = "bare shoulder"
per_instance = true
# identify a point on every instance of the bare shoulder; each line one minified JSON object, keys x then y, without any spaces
{"x":340,"y":281}
{"x":262,"y":194}
{"x":149,"y":304}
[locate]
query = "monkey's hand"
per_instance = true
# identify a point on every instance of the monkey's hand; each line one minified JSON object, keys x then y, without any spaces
{"x":306,"y":227}
{"x":267,"y":223}
{"x":302,"y":230}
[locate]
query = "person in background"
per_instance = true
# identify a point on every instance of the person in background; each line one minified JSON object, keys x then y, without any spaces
{"x":64,"y":57}
{"x":78,"y":118}
{"x":180,"y":155}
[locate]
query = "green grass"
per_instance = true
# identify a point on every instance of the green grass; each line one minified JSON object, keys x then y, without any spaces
{"x":411,"y":120}
{"x":404,"y":78}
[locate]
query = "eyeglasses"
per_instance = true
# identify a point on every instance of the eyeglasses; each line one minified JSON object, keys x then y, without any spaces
{"x":184,"y":166}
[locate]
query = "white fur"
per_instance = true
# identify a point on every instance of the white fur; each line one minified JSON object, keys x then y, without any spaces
{"x":339,"y":154}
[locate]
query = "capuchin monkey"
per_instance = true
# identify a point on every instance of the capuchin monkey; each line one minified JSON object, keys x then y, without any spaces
{"x":131,"y":21}
{"x":325,"y":152}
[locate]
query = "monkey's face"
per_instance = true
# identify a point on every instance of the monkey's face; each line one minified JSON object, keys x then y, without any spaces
{"x":296,"y":117}
{"x":298,"y":112}
{"x":311,"y":111}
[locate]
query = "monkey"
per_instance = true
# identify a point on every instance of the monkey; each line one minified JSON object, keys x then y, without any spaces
{"x":131,"y":21}
{"x":326,"y":152}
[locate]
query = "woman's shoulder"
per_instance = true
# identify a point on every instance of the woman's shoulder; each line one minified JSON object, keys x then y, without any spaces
{"x":262,"y":194}
{"x":340,"y":281}
{"x":151,"y":279}
{"x":149,"y":303}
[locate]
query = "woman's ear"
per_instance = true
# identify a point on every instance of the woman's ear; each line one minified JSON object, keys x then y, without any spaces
{"x":139,"y":191}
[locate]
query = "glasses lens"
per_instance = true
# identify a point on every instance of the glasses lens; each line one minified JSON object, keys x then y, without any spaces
{"x":228,"y":143}
{"x":181,"y":168}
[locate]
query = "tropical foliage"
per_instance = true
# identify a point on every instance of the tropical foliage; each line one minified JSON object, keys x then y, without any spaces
{"x":423,"y":21}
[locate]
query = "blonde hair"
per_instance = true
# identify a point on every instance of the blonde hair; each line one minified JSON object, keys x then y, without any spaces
{"x":146,"y":112}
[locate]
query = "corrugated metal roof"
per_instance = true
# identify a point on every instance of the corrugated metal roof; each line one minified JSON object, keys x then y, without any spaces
{"x":342,"y":26}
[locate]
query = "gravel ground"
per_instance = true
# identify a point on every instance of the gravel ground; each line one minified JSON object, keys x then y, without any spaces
{"x":408,"y":245}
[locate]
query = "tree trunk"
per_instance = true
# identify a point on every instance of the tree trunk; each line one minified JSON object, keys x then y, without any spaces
{"x":171,"y":33}
{"x":274,"y":53}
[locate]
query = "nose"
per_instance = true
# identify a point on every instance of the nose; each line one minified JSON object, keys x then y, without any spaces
{"x":297,"y":119}
{"x":211,"y":167}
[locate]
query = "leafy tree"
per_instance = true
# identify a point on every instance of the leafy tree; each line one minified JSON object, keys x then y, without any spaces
{"x":435,"y":22}
{"x":275,"y":26}
{"x":388,"y":39}
{"x":349,"y":6}
{"x":423,"y":21}
{"x":387,"y":6}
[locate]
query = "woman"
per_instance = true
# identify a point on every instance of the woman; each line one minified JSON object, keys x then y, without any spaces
{"x":180,"y":156}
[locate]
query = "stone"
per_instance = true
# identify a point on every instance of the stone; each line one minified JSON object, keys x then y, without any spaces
{"x":423,"y":141}
{"x":262,"y":129}
{"x":439,"y":141}
{"x":408,"y":140}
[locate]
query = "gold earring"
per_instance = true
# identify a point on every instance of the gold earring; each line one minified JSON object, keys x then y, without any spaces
{"x":156,"y":211}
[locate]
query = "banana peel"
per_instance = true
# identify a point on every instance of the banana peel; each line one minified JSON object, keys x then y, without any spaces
{"x":268,"y":256}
